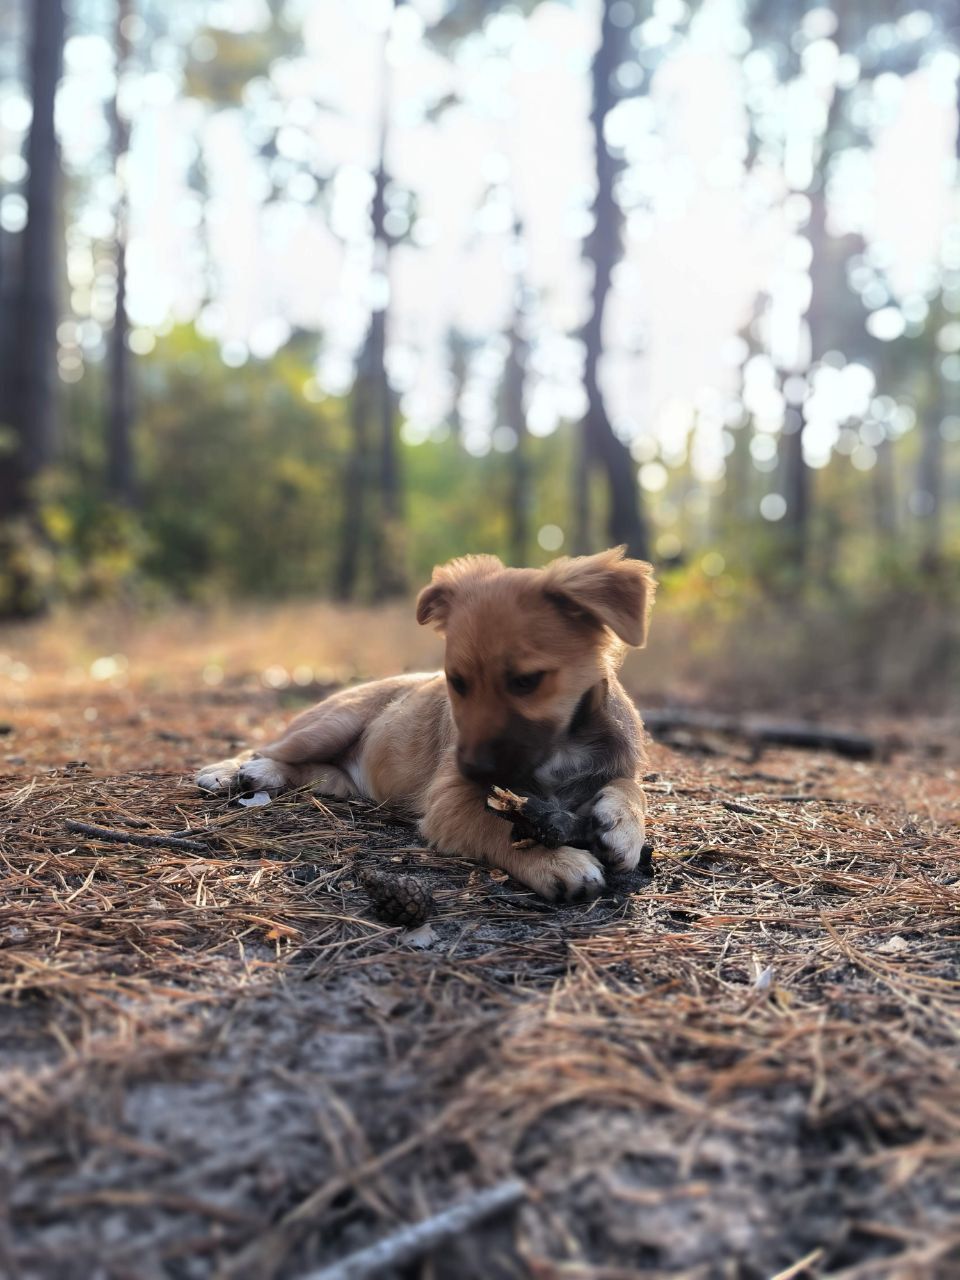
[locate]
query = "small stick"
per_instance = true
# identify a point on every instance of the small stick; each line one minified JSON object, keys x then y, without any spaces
{"x":505,"y":801}
{"x":417,"y":1239}
{"x":799,"y":1267}
{"x":130,"y":837}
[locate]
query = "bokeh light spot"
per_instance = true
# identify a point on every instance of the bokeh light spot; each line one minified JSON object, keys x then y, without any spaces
{"x":773,"y":506}
{"x":550,"y":537}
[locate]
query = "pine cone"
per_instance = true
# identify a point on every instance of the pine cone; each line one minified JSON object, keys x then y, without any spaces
{"x":398,"y":899}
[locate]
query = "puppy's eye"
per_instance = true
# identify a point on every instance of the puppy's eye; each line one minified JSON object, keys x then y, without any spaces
{"x":526,"y":683}
{"x":458,"y":685}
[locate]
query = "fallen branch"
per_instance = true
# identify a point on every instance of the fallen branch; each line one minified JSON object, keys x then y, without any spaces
{"x":419,"y":1238}
{"x":815,"y":737}
{"x":114,"y":836}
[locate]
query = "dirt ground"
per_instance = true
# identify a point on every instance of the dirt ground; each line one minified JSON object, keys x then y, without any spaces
{"x":217,"y":1063}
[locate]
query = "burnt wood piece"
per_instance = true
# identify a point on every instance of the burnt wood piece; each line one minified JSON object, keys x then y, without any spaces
{"x":541,"y":821}
{"x":784,"y":733}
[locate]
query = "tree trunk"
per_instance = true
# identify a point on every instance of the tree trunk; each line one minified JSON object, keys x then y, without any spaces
{"x":389,"y":576}
{"x":356,"y":487}
{"x":10,"y":470}
{"x":796,"y":492}
{"x":120,"y":465}
{"x":458,"y":349}
{"x":581,"y":494}
{"x":826,"y":276}
{"x":521,"y":495}
{"x":373,"y":507}
{"x":626,"y":523}
{"x":930,"y":480}
{"x":28,"y":397}
{"x":33,"y":398}
{"x":885,"y":495}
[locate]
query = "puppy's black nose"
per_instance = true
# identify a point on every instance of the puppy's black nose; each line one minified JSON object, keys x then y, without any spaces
{"x":479,"y":764}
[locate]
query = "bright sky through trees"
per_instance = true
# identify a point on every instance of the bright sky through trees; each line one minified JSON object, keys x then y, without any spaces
{"x":248,"y":211}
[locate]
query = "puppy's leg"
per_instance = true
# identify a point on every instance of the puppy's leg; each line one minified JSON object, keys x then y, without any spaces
{"x":456,"y":821}
{"x":249,"y":772}
{"x":300,"y":756}
{"x":618,"y":824}
{"x":264,"y":773}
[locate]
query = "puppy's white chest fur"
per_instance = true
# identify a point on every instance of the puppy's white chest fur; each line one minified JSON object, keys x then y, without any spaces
{"x":567,"y":762}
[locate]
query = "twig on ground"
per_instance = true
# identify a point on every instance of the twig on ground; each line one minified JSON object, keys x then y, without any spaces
{"x":804,"y":1265}
{"x":114,"y":836}
{"x":413,"y":1241}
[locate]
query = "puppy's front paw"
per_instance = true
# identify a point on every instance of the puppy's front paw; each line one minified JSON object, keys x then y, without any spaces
{"x":559,"y":875}
{"x":263,"y":774}
{"x":569,"y":875}
{"x":617,"y":831}
{"x":221,"y":778}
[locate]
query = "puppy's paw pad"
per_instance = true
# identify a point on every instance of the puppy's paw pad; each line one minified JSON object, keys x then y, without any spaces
{"x":618,"y":833}
{"x":578,"y":876}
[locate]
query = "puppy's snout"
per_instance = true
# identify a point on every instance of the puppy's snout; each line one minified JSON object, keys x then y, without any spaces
{"x":480,"y":763}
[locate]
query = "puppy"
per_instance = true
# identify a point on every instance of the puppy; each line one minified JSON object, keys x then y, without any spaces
{"x":529,"y":699}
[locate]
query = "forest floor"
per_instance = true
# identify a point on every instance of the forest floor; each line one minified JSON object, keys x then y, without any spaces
{"x":218,"y":1063}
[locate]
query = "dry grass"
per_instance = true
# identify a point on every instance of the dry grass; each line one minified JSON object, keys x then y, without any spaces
{"x":220,"y":1064}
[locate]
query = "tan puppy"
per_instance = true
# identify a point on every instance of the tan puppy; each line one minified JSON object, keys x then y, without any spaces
{"x":529,"y":700}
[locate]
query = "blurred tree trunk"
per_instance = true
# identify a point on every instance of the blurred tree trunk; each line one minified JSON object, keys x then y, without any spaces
{"x":458,"y":370}
{"x":389,"y":574}
{"x":7,"y":436}
{"x":9,"y":13}
{"x":930,"y":466}
{"x":521,"y":492}
{"x":356,"y":487}
{"x":601,"y":446}
{"x":824,"y":323}
{"x":120,"y":465}
{"x":930,"y":478}
{"x":373,"y":494}
{"x":796,"y":473}
{"x":33,"y":397}
{"x":885,"y":495}
{"x":28,"y":396}
{"x":581,"y":540}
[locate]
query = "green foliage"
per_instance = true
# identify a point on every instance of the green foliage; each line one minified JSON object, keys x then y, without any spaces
{"x":458,"y":504}
{"x":894,"y":638}
{"x":240,"y":488}
{"x":27,"y":569}
{"x":238,"y":482}
{"x":240,"y":478}
{"x":240,"y":485}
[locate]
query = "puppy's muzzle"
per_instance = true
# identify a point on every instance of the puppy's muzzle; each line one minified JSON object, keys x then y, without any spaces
{"x":510,"y":756}
{"x":482,"y":763}
{"x":509,"y":759}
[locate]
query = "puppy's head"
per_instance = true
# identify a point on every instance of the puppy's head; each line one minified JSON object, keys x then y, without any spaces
{"x":526,"y":646}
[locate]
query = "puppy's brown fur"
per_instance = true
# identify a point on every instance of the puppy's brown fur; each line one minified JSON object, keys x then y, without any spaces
{"x":529,"y":699}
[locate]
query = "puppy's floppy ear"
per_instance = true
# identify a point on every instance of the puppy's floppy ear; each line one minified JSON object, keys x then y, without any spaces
{"x":606,"y":588}
{"x":448,"y":580}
